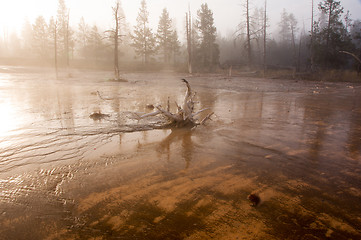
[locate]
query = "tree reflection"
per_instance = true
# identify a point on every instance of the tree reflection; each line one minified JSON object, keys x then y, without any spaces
{"x":354,"y":133}
{"x":318,"y":115}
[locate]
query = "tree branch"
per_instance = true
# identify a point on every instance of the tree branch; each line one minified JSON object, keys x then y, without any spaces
{"x":351,"y":54}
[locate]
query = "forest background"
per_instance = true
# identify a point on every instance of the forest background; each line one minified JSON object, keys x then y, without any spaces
{"x":330,"y":40}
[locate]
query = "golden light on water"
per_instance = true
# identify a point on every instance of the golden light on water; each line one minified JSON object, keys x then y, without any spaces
{"x":7,"y":119}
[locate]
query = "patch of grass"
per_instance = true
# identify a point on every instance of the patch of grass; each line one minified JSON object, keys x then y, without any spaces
{"x":339,"y":76}
{"x":322,"y":75}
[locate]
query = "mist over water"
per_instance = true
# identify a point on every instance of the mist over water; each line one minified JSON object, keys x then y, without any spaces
{"x":278,"y":159}
{"x":47,"y":119}
{"x":296,"y":144}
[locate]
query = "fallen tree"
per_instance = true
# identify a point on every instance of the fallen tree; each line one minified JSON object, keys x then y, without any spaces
{"x":185,"y":115}
{"x":357,"y":59}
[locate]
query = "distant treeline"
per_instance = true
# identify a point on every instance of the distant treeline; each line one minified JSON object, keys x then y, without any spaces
{"x":58,"y":42}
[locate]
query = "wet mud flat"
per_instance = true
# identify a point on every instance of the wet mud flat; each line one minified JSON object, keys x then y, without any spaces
{"x":64,"y":175}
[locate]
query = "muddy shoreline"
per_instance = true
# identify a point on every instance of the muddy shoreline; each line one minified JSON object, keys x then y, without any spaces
{"x":296,"y":144}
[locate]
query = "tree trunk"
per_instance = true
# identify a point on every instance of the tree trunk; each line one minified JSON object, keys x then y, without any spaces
{"x":328,"y":34}
{"x":294,"y":47}
{"x":264,"y":38}
{"x":116,"y":36}
{"x":298,"y":69}
{"x":249,"y":51}
{"x":67,"y":44}
{"x":311,"y":42}
{"x":189,"y":41}
{"x":56,"y":49}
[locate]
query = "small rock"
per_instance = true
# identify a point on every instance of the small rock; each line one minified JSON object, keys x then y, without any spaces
{"x":98,"y":116}
{"x":255,"y":199}
{"x":150,"y":106}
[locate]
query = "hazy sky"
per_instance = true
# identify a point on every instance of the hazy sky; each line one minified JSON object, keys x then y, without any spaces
{"x":227,"y":13}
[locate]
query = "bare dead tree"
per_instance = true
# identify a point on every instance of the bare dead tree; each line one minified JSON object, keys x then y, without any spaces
{"x":249,"y":50}
{"x":293,"y":27}
{"x":116,"y":39}
{"x":67,"y":43}
{"x":298,"y":67}
{"x":189,"y":40}
{"x":64,"y":31}
{"x":115,"y":34}
{"x":253,"y":29}
{"x":312,"y":39}
{"x":265,"y":37}
{"x":56,"y":48}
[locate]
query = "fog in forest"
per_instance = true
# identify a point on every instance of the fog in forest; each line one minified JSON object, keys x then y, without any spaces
{"x":170,"y":119}
{"x":209,"y":36}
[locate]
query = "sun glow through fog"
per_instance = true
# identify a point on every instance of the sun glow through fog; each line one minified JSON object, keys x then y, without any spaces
{"x":13,"y":13}
{"x":227,"y":14}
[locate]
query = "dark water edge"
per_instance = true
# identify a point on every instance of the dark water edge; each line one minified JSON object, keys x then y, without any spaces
{"x":64,"y":176}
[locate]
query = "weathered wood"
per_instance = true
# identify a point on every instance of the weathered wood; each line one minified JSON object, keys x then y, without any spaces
{"x":185,"y":115}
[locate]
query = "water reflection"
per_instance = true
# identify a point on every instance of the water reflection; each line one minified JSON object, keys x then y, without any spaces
{"x":54,"y":114}
{"x":297,"y":149}
{"x":318,"y":119}
{"x":8,"y":121}
{"x":354,"y":136}
{"x":185,"y":146}
{"x":331,"y":124}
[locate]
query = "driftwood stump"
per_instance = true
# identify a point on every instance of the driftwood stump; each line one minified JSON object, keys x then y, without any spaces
{"x":185,"y":115}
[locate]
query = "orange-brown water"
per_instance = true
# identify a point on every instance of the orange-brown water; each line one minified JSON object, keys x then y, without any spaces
{"x":65,"y":176}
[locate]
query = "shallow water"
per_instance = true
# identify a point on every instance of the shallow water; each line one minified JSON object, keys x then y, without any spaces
{"x":65,"y":176}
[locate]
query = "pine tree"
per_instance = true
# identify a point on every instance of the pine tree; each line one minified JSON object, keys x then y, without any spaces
{"x":40,"y":37}
{"x":174,"y":45}
{"x":356,"y":34}
{"x":208,"y":51}
{"x":27,"y":37}
{"x":82,"y":37}
{"x":333,"y":10}
{"x":53,"y":36}
{"x":356,"y":40}
{"x":143,"y":38}
{"x":189,"y":34}
{"x":284,"y":27}
{"x":95,"y":43}
{"x":164,"y":35}
{"x":332,"y":36}
{"x":64,"y":31}
{"x":288,"y":29}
